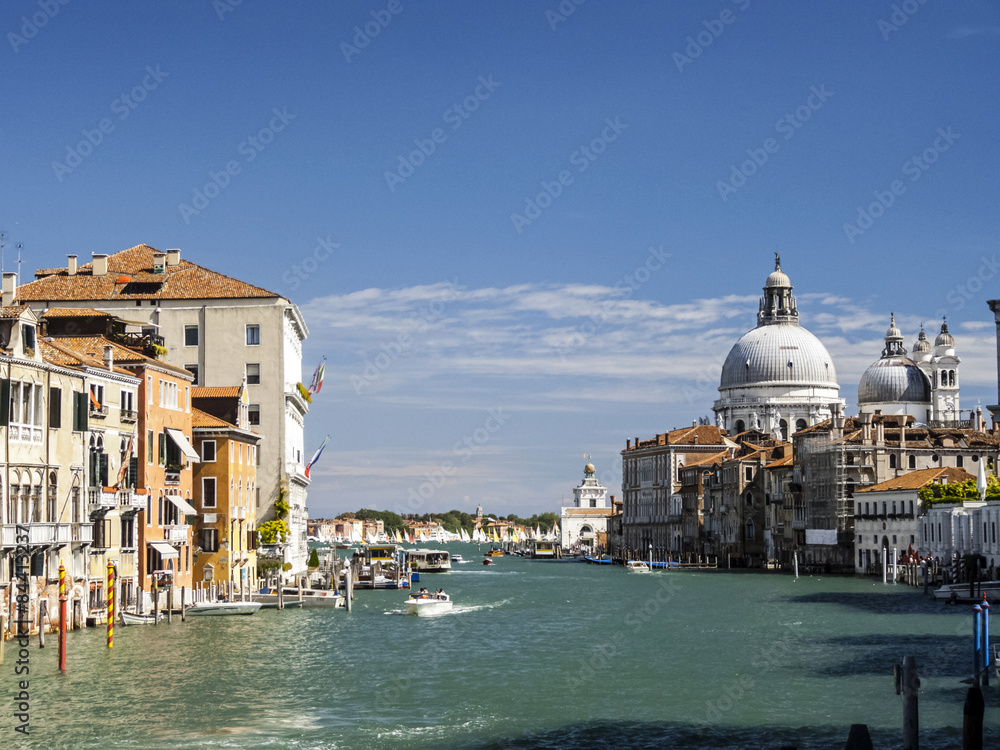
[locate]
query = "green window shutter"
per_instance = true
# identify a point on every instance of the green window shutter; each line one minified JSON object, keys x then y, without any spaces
{"x":163,"y":449}
{"x":55,"y":408}
{"x":4,"y":402}
{"x":81,"y":416}
{"x":132,"y":478}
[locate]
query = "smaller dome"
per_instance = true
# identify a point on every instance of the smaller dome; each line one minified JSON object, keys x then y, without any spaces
{"x":922,"y":346}
{"x":778,"y":278}
{"x":893,"y":380}
{"x":589,"y":469}
{"x":944,"y":338}
{"x":893,"y":332}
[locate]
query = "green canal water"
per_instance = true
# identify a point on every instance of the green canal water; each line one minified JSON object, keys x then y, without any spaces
{"x":535,"y":655}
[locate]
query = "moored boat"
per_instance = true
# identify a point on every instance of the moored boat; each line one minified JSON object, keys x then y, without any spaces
{"x":310,"y":597}
{"x":223,"y":608}
{"x":133,"y":618}
{"x":636,"y":566}
{"x":959,"y":592}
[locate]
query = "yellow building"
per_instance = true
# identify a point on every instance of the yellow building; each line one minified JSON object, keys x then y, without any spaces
{"x":225,"y":491}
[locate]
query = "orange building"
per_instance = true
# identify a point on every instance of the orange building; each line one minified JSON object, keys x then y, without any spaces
{"x":225,"y":490}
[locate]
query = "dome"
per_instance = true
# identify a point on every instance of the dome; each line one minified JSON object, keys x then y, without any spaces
{"x":944,"y":338}
{"x":893,"y":332}
{"x":778,"y":355}
{"x":892,"y":380}
{"x":777,"y":278}
{"x":922,"y":346}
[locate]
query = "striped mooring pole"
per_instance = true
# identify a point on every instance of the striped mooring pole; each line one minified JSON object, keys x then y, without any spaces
{"x":111,"y":605}
{"x":62,"y":617}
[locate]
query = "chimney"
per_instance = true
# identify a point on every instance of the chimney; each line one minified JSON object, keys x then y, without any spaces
{"x":159,"y":262}
{"x":100,"y":266}
{"x":71,"y":265}
{"x":109,"y":356}
{"x":173,"y":256}
{"x":628,"y":445}
{"x":9,"y":288}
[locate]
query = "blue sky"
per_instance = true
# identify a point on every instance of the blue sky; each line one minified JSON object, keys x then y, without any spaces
{"x":565,"y":218}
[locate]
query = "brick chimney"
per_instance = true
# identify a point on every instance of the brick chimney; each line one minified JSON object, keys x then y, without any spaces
{"x":173,"y":257}
{"x":9,"y":288}
{"x":100,"y":266}
{"x":71,"y":265}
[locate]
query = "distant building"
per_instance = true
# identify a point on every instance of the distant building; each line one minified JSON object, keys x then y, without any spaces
{"x":582,"y":523}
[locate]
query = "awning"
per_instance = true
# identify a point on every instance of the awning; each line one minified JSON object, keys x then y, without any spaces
{"x":182,"y":442}
{"x":165,"y":550}
{"x":182,"y":505}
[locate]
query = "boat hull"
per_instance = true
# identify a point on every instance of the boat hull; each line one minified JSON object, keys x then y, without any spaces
{"x":222,"y":609}
{"x":129,"y":618}
{"x":427,"y":607}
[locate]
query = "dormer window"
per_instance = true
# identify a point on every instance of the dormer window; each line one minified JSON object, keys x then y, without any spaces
{"x":28,"y":338}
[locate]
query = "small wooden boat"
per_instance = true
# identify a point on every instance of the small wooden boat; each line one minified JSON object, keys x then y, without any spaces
{"x":133,"y":618}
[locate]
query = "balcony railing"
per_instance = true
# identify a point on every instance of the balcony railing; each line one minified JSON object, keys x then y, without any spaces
{"x":176,"y":534}
{"x":99,"y":498}
{"x":172,"y":476}
{"x":127,"y":415}
{"x":99,"y":412}
{"x":82,"y":533}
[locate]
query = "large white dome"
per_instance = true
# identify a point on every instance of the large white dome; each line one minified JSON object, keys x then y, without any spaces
{"x":783,"y":354}
{"x":894,"y":379}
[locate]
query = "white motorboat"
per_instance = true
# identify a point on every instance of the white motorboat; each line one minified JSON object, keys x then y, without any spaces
{"x":423,"y":604}
{"x":459,"y":559}
{"x":310,"y":597}
{"x":636,"y":566}
{"x":132,"y":618}
{"x":223,"y":608}
{"x":959,"y":592}
{"x":430,"y":560}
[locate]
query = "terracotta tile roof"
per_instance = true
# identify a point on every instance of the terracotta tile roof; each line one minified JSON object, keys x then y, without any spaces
{"x":201,"y":419}
{"x":74,"y":312}
{"x":707,"y":460}
{"x":130,"y":276}
{"x":13,"y":311}
{"x":57,"y":352}
{"x":94,"y":347}
{"x":786,"y":461}
{"x":230,"y":391}
{"x":700,"y":434}
{"x":917,"y":479}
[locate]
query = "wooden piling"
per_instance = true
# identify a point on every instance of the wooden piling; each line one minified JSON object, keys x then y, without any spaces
{"x":62,"y":618}
{"x":183,"y":604}
{"x":910,"y":685}
{"x":972,"y":719}
{"x":859,"y":738}
{"x":43,"y":607}
{"x":281,"y":594}
{"x":170,"y":604}
{"x":156,"y":602}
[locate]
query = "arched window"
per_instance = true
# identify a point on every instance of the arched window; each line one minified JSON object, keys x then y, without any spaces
{"x":800,"y":424}
{"x":784,"y":428}
{"x":951,"y":377}
{"x":959,"y":461}
{"x":913,"y":462}
{"x":749,"y":499}
{"x":750,"y":528}
{"x":50,"y":498}
{"x":740,"y":426}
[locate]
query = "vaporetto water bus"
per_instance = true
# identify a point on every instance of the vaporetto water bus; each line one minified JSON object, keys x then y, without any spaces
{"x":429,"y":560}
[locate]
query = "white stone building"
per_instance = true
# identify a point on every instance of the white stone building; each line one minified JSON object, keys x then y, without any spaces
{"x":581,"y":522}
{"x":778,"y":377}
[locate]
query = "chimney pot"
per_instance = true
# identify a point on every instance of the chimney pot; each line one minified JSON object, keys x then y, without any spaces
{"x":71,"y":265}
{"x":109,"y":356}
{"x":173,"y":256}
{"x":9,"y":288}
{"x":100,"y":265}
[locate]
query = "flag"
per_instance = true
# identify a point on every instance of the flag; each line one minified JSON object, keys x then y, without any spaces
{"x":93,"y":400}
{"x":316,"y":384}
{"x":981,"y":479}
{"x":316,"y":455}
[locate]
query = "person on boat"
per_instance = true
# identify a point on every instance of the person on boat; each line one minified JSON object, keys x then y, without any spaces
{"x":439,"y":594}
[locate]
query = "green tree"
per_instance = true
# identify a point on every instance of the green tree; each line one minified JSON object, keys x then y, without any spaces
{"x":314,"y":559}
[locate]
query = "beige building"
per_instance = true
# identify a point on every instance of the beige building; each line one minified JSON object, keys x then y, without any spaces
{"x":224,"y":331}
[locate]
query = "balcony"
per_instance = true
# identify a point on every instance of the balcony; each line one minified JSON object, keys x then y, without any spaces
{"x":172,"y":475}
{"x":176,"y":534}
{"x":129,"y":499}
{"x":38,"y":534}
{"x":98,"y":412}
{"x":127,"y":416}
{"x":82,"y":533}
{"x":100,"y":498}
{"x":24,"y":433}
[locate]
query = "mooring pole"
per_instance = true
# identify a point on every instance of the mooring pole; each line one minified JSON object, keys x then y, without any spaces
{"x":923,"y":569}
{"x":977,"y":641}
{"x":111,"y":605}
{"x":43,"y":610}
{"x":972,"y":718}
{"x":910,"y":685}
{"x":986,"y":642}
{"x":183,"y":603}
{"x":62,"y":617}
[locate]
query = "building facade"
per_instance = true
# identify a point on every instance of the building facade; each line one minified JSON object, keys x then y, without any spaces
{"x":582,"y":524}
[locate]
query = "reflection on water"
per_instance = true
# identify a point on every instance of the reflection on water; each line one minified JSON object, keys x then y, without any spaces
{"x":535,"y":654}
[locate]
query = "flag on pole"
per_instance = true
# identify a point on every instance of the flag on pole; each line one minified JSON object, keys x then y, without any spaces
{"x":93,"y":399}
{"x":316,"y":384}
{"x":316,"y":455}
{"x":126,"y":457}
